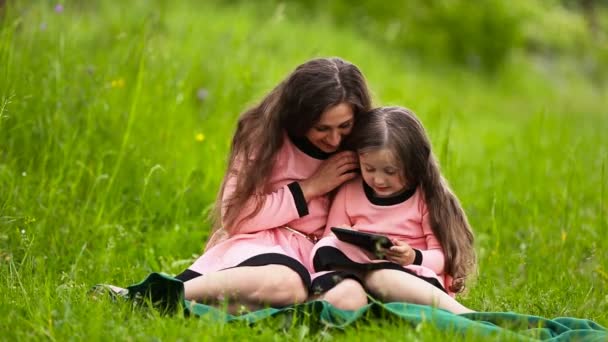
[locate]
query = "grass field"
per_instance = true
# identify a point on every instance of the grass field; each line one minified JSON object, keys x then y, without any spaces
{"x":115,"y":121}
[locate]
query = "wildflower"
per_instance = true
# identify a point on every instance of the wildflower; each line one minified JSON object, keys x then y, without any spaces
{"x":564,"y":235}
{"x":202,"y":94}
{"x":200,"y":137}
{"x":118,"y":83}
{"x":59,"y":8}
{"x":42,"y":26}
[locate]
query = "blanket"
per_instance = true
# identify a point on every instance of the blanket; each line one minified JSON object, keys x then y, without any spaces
{"x":167,"y":294}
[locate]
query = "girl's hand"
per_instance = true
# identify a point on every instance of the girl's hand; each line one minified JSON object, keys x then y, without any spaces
{"x":401,"y":253}
{"x":331,"y":174}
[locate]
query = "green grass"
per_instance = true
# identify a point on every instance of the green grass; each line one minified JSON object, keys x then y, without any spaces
{"x":102,"y":178}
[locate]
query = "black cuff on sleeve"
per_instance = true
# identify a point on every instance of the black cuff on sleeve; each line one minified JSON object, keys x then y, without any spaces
{"x":298,"y":197}
{"x":418,"y":258}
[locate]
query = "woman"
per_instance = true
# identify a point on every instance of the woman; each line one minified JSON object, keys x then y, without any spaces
{"x":273,"y":202}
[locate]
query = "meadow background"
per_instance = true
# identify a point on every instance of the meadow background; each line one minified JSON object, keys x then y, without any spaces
{"x":116,"y":117}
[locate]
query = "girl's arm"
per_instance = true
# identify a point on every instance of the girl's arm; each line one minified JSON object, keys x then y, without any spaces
{"x":433,"y":256}
{"x":337,"y":213}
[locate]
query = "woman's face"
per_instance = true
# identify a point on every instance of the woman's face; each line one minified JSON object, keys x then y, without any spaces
{"x":334,"y":124}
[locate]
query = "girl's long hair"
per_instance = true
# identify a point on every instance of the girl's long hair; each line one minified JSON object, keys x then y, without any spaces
{"x":294,"y":106}
{"x":398,"y":130}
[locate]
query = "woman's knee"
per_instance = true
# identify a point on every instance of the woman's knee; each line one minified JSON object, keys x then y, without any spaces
{"x":281,"y":286}
{"x":349,"y":294}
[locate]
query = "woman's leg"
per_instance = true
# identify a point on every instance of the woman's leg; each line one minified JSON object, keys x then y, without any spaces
{"x":398,"y":286}
{"x":349,"y":294}
{"x":187,"y":274}
{"x":251,"y":287}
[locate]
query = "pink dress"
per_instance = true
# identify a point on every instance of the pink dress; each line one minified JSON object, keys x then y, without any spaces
{"x":280,"y":232}
{"x":402,"y":217}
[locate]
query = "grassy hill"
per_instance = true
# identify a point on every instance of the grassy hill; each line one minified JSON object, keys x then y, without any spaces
{"x":115,"y":120}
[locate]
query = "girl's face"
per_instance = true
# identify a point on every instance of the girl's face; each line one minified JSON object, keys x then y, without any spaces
{"x":382,"y":172}
{"x":335,"y":124}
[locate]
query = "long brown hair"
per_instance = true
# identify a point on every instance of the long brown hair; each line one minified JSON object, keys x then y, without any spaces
{"x":293,"y":106}
{"x":398,"y":130}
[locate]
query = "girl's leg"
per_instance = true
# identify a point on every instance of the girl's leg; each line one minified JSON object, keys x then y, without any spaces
{"x":346,"y":295}
{"x":251,"y":287}
{"x":398,"y":286}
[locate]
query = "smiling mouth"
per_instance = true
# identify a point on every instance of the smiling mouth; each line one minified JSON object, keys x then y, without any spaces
{"x":331,"y":147}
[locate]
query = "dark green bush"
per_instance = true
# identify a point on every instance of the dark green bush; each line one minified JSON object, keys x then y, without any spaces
{"x":479,"y":34}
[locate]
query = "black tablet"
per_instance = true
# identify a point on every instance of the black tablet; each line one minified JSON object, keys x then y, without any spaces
{"x":368,"y":241}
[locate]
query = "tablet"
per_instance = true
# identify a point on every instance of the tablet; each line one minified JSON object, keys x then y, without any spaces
{"x":368,"y":241}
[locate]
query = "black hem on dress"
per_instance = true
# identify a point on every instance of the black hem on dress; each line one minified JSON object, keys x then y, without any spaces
{"x":279,"y":259}
{"x":187,"y":274}
{"x":330,"y":258}
{"x":326,"y":282}
{"x":260,"y":260}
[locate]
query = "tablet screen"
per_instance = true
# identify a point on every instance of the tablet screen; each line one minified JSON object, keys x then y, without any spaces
{"x":368,"y":241}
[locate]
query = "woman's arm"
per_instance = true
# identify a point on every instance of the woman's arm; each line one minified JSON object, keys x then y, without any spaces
{"x":278,"y":208}
{"x":289,"y":202}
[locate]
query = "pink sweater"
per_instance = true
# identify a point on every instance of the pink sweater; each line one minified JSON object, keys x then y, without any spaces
{"x":407,"y":220}
{"x":285,"y":204}
{"x":264,"y":234}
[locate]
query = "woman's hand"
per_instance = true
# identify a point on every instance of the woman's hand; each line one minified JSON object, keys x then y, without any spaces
{"x":332,"y":173}
{"x":401,"y":253}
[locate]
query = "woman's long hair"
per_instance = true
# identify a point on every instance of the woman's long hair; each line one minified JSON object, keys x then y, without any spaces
{"x":293,"y":106}
{"x":398,"y":130}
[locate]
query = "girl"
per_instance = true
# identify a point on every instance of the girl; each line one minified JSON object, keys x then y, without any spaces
{"x":273,"y":201}
{"x":403,"y":196}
